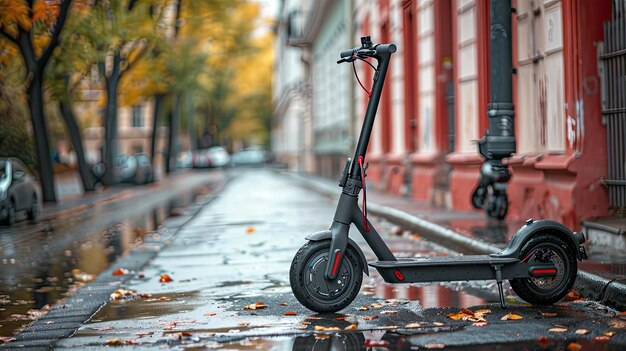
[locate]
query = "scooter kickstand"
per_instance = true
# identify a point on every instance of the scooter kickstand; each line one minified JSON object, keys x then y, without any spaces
{"x":499,"y":281}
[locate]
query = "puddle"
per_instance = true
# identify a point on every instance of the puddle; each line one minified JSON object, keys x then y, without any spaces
{"x":37,"y":268}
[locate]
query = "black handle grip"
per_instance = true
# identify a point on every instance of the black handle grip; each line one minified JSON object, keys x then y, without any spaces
{"x":348,"y":53}
{"x":386,"y":48}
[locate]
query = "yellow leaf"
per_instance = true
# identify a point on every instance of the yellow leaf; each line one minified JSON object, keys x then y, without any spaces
{"x":582,"y":331}
{"x":413,"y":325}
{"x":557,"y":330}
{"x":351,"y":327}
{"x":511,"y":316}
{"x":574,"y":346}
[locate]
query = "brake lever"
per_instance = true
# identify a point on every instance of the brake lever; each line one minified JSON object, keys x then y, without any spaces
{"x":349,"y":59}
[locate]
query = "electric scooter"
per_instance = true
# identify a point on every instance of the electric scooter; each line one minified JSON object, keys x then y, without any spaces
{"x":326,"y":273}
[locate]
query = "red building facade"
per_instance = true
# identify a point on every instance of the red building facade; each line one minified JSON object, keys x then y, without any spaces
{"x":435,"y":103}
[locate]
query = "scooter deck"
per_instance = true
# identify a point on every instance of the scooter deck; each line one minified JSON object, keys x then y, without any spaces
{"x":444,"y":268}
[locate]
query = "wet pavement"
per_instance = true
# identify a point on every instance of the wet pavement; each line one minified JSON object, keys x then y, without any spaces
{"x":44,"y":263}
{"x":236,"y":251}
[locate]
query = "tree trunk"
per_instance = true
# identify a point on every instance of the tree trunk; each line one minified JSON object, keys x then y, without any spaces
{"x":40,"y":133}
{"x":158,"y":106}
{"x":86,"y":175}
{"x":110,"y":121}
{"x":191,"y":123}
{"x":172,"y":138}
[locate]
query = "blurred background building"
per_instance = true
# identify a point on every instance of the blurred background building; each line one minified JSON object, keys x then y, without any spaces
{"x":570,"y":127}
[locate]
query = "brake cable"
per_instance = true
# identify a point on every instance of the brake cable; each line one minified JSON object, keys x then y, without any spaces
{"x":369,"y":92}
{"x":365,"y":225}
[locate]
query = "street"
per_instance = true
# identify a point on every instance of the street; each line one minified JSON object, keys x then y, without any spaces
{"x":236,"y":250}
{"x":37,"y":260}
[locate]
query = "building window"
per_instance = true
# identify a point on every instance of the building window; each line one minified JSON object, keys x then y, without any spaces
{"x":137,"y":117}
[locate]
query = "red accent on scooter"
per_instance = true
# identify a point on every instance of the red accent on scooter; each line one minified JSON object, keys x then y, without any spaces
{"x":398,"y":275}
{"x":336,"y":262}
{"x":365,"y":225}
{"x":543,"y":271}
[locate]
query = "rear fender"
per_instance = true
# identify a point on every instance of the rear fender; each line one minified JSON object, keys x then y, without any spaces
{"x":327,"y":235}
{"x":533,"y":228}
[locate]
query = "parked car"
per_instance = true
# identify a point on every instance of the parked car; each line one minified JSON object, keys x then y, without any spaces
{"x":18,"y":191}
{"x":248,"y":157}
{"x":218,"y":156}
{"x":200,"y":159}
{"x":185,"y":159}
{"x":134,"y":169}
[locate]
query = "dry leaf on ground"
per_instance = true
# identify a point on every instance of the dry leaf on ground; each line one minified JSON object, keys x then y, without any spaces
{"x":582,"y":331}
{"x":413,"y":325}
{"x":388,"y":312}
{"x":548,"y":314}
{"x":120,"y":271}
{"x":255,"y":306}
{"x":574,"y":346}
{"x":350,"y":327}
{"x":165,"y":278}
{"x":557,"y":330}
{"x":369,"y":318}
{"x":511,"y":316}
{"x":290,"y":313}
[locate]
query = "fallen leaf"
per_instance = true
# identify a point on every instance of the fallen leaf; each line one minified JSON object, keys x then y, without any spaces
{"x":388,"y":312}
{"x":250,"y":230}
{"x":548,"y":314}
{"x":120,"y":271}
{"x":434,"y":346}
{"x":439,"y":324}
{"x":376,"y":305}
{"x":282,"y":304}
{"x":105,"y":328}
{"x":255,"y":306}
{"x":483,"y":311}
{"x":511,"y":316}
{"x":390,"y":327}
{"x":141,"y":275}
{"x":132,"y":342}
{"x":601,"y":338}
{"x":164,"y":298}
{"x":413,"y":325}
{"x":313,"y":317}
{"x":557,"y":330}
{"x":115,"y":342}
{"x":363,"y":308}
{"x":479,"y":324}
{"x":341,"y":318}
{"x":573,"y":295}
{"x":120,"y":294}
{"x":609,"y":334}
{"x":574,"y":346}
{"x":350,"y":327}
{"x":290,"y":313}
{"x":4,"y":339}
{"x":457,"y":316}
{"x":210,"y":314}
{"x":165,"y":278}
{"x":144,"y":295}
{"x":622,"y":313}
{"x":322,"y":328}
{"x":543,"y":341}
{"x":305,"y":323}
{"x":467,"y":311}
{"x":322,"y":336}
{"x":582,"y":331}
{"x":243,"y":324}
{"x":369,"y":318}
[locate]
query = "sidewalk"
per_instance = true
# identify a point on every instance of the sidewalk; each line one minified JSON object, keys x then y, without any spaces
{"x":600,"y":278}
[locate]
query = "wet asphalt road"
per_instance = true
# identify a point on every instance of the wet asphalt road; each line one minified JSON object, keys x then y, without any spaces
{"x":237,"y":250}
{"x":36,"y":261}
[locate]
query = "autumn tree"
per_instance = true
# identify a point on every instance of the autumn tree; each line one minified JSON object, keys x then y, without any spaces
{"x":120,"y":34}
{"x":34,"y":28}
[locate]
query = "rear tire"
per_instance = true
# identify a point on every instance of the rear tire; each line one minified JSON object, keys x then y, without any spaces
{"x":313,"y":290}
{"x":547,"y":290}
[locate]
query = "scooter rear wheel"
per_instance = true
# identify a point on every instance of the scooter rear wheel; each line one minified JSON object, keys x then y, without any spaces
{"x":313,"y":289}
{"x":546,"y":248}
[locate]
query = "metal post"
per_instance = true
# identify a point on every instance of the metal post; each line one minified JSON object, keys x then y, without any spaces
{"x":499,"y":140}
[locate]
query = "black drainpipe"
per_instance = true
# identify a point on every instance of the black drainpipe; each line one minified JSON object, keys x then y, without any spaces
{"x":499,"y":140}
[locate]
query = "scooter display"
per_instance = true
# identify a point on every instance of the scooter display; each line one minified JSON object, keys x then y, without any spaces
{"x":326,"y":272}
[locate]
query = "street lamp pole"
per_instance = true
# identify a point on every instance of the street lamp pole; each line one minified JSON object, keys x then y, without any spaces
{"x":499,"y":140}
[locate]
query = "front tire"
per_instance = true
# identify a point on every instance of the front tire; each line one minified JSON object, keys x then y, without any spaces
{"x":313,"y":290}
{"x":33,"y":212}
{"x":547,"y":290}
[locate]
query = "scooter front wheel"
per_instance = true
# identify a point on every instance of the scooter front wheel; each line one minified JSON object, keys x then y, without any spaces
{"x":310,"y":285}
{"x":547,"y":248}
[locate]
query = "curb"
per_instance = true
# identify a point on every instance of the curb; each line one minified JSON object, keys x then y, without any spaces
{"x":66,"y":316}
{"x":610,"y":292}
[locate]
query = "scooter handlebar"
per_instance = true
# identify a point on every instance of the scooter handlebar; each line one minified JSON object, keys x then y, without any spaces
{"x":384,"y":49}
